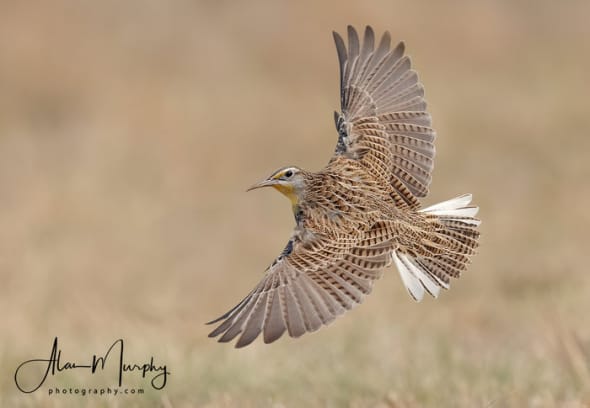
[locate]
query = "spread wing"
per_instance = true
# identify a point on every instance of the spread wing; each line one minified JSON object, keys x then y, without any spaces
{"x":306,"y":287}
{"x":384,"y":123}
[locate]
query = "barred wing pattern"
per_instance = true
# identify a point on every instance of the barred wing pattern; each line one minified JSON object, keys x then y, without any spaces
{"x":384,"y":123}
{"x":331,"y":264}
{"x":307,"y":288}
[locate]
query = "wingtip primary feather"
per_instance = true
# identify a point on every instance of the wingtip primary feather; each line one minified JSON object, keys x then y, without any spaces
{"x":368,"y":40}
{"x":353,"y":42}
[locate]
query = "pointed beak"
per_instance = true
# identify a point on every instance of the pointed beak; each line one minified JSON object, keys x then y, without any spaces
{"x":263,"y":183}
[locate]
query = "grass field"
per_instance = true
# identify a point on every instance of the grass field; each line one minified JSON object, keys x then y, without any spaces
{"x":129,"y":132}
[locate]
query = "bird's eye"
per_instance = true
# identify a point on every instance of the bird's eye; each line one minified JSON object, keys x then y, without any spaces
{"x":288,"y":173}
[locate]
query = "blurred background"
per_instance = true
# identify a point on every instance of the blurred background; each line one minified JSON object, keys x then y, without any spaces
{"x":129,"y":132}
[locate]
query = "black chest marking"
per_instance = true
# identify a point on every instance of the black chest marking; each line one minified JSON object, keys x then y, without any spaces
{"x":298,"y":212}
{"x":288,"y":249}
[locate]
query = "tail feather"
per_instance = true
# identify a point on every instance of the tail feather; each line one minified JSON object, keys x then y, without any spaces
{"x":455,"y":236}
{"x":457,"y":203}
{"x":413,"y":277}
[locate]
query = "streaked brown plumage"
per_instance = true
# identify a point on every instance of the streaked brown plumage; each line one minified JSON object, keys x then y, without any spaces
{"x":361,"y":211}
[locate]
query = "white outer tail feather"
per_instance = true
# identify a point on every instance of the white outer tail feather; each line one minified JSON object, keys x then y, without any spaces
{"x":455,"y":207}
{"x":415,"y":279}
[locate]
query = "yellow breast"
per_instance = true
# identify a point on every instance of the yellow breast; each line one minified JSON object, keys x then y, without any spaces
{"x":288,"y":192}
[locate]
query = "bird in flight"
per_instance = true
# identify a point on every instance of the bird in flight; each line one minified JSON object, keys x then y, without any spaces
{"x":361,"y":212}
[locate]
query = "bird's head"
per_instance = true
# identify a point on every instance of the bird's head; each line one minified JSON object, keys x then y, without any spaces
{"x":288,"y":180}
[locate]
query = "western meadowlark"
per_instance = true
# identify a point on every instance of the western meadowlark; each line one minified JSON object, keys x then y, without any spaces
{"x":361,"y":212}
